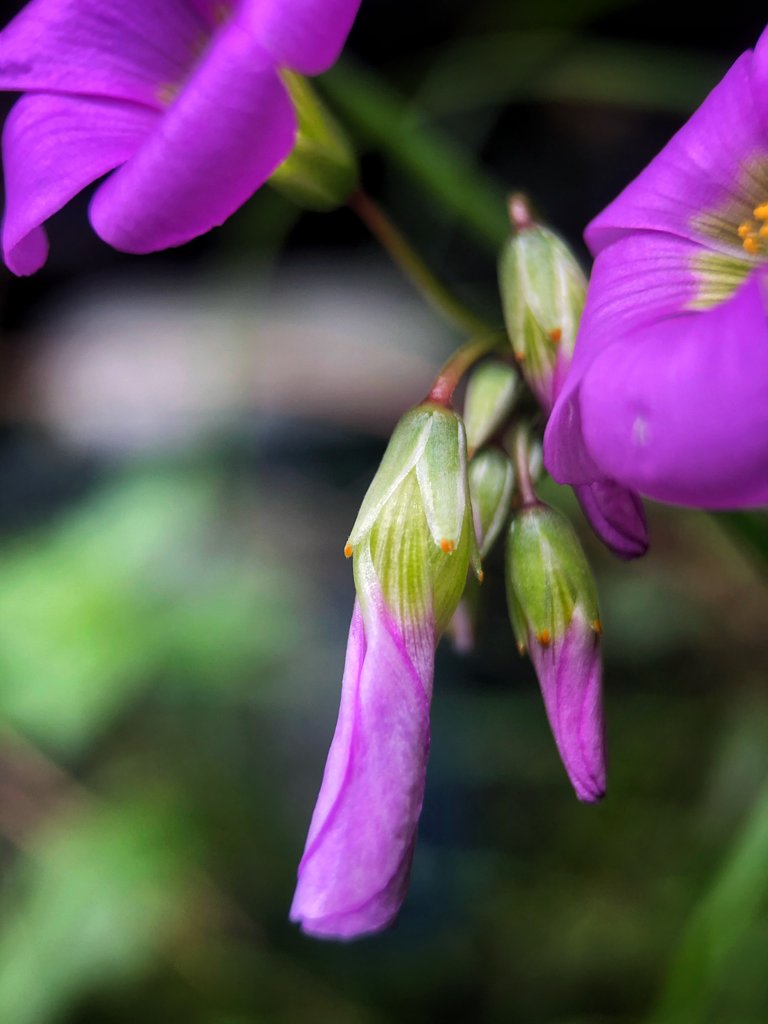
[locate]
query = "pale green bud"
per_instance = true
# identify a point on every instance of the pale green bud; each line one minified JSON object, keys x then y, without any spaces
{"x":542,"y":291}
{"x":414,"y":530}
{"x":492,"y":391}
{"x":548,"y":577}
{"x":491,"y":484}
{"x":321,"y":171}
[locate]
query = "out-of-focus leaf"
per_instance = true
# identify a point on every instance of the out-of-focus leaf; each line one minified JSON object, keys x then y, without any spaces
{"x":93,"y":906}
{"x":129,"y":588}
{"x":379,"y":116}
{"x":728,"y":910}
{"x":507,"y":67}
{"x":750,"y":529}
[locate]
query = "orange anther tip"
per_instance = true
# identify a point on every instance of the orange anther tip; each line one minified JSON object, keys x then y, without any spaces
{"x":521,"y":649}
{"x":480,"y":575}
{"x":556,"y":334}
{"x":347,"y":550}
{"x":544,"y":638}
{"x":520,"y":357}
{"x":597,"y":626}
{"x":447,"y":546}
{"x":751,"y":245}
{"x":761,"y":211}
{"x":763,"y":232}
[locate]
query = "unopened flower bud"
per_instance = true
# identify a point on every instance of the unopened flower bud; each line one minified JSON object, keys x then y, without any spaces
{"x":491,"y":484}
{"x":542,"y":292}
{"x":554,"y":611}
{"x":414,"y":528}
{"x":321,"y":171}
{"x":412,"y":544}
{"x":492,"y":391}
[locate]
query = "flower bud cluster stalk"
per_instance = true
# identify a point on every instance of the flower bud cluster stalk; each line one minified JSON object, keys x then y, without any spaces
{"x":445,"y":491}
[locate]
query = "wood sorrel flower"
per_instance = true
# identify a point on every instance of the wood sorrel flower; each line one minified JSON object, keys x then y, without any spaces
{"x":412,"y":544}
{"x":184,"y":97}
{"x":554,"y":613}
{"x":667,"y":390}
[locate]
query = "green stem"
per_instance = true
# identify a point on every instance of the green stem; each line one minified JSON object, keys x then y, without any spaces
{"x":519,"y":447}
{"x":463,"y":359}
{"x":413,"y":266}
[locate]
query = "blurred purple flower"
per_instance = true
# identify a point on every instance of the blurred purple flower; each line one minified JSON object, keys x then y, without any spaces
{"x":667,"y":390}
{"x":183,"y":97}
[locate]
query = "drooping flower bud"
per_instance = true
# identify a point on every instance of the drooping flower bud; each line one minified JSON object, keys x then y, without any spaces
{"x":491,"y":483}
{"x":542,"y":292}
{"x":492,"y":391}
{"x":412,"y":543}
{"x":321,"y":171}
{"x":554,"y":612}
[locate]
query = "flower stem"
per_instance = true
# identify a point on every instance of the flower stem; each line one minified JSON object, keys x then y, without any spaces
{"x":413,"y":266}
{"x":456,"y":366}
{"x":519,"y":447}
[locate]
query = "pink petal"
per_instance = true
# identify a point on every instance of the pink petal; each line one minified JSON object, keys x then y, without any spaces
{"x":617,"y":517}
{"x":121,"y":49}
{"x":678,"y":410}
{"x":640,"y":279}
{"x":570,"y":676}
{"x":355,"y":867}
{"x":53,"y":146}
{"x":303,"y":35}
{"x":230,"y":127}
{"x":715,"y":167}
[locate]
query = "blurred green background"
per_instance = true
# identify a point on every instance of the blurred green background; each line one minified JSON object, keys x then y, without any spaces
{"x":184,"y":440}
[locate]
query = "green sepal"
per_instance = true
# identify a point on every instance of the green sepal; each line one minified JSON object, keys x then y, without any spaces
{"x":442,"y":475}
{"x":321,"y":171}
{"x":547,"y":573}
{"x":404,"y":450}
{"x":492,"y":391}
{"x":414,"y":536}
{"x":542,"y":290}
{"x":491,"y":485}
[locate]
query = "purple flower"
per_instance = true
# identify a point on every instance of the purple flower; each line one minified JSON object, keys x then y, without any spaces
{"x":182,"y":99}
{"x":412,"y":543}
{"x":667,"y":390}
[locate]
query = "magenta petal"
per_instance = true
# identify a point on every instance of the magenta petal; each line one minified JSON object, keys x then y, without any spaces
{"x":355,"y":867}
{"x":570,"y":675}
{"x":639,"y":280}
{"x":617,"y":517}
{"x":53,"y":146}
{"x":702,"y":170}
{"x":303,"y":35}
{"x":678,"y":411}
{"x":119,"y":49}
{"x":230,"y":127}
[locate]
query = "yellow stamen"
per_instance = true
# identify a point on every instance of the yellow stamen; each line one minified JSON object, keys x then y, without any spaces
{"x":763,"y":232}
{"x":480,"y":575}
{"x":761,"y":211}
{"x":745,"y":229}
{"x":447,"y":546}
{"x":556,"y":334}
{"x":544,"y":638}
{"x":347,"y":550}
{"x":597,"y":626}
{"x":521,"y":649}
{"x":751,"y":245}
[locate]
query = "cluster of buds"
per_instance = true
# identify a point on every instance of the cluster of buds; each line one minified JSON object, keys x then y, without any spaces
{"x":447,"y":490}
